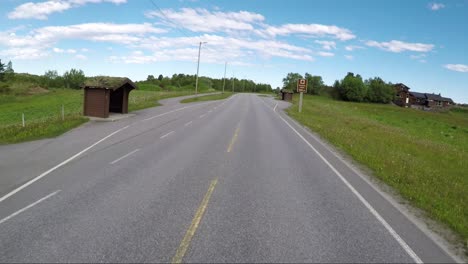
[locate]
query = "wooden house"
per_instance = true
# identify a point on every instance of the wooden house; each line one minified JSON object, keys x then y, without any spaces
{"x":402,"y":95}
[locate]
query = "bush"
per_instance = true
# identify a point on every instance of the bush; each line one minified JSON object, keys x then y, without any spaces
{"x":4,"y":88}
{"x":352,"y":88}
{"x":379,"y":91}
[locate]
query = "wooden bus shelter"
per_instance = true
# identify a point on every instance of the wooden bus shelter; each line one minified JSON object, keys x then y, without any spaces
{"x":103,"y":95}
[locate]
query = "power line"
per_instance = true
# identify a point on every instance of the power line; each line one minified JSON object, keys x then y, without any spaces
{"x":176,"y":26}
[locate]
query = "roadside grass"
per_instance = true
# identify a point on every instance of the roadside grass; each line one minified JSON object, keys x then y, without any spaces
{"x":211,"y":97}
{"x":422,"y":155}
{"x":141,"y":99}
{"x":43,"y":117}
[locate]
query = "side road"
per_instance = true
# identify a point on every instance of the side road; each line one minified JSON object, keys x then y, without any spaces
{"x":21,"y":162}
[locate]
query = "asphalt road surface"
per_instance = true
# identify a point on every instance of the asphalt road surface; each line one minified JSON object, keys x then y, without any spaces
{"x":223,"y":181}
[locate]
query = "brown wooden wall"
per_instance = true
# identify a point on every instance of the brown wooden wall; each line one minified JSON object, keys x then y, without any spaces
{"x":96,"y":102}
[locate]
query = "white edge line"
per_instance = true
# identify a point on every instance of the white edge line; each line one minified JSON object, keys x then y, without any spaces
{"x":386,"y":197}
{"x":167,"y":134}
{"x":387,"y":226}
{"x":27,"y":207}
{"x":58,"y":166}
{"x":188,"y":123}
{"x":124,"y":156}
{"x":202,"y":115}
{"x":274,"y":109}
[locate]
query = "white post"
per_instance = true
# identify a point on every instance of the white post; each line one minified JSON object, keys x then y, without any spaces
{"x":63,"y":113}
{"x":300,"y":102}
{"x":224,"y":79}
{"x":22,"y":117}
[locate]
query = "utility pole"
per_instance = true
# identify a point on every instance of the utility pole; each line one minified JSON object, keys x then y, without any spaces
{"x":198,"y":66}
{"x":232,"y":84}
{"x":243,"y":86}
{"x":224,"y":79}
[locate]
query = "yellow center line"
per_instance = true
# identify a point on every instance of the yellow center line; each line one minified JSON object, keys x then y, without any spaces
{"x":234,"y":138}
{"x":180,"y":253}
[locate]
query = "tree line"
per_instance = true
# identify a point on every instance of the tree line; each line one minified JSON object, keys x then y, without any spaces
{"x":351,"y":88}
{"x":74,"y":78}
{"x":187,"y":82}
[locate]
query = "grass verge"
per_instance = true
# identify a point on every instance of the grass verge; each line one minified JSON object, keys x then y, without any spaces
{"x":208,"y":97}
{"x":422,"y":155}
{"x":43,"y":112}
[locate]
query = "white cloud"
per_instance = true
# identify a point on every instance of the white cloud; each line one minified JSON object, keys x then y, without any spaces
{"x":42,"y":10}
{"x":349,"y":57}
{"x":43,"y":39}
{"x":81,"y":57}
{"x":218,"y":48}
{"x":316,"y":30}
{"x":436,"y":6}
{"x":69,"y":51}
{"x":325,"y":54}
{"x":202,"y":20}
{"x":353,"y":47}
{"x":457,"y":67}
{"x":400,"y":46}
{"x":327,"y":45}
{"x":27,"y":53}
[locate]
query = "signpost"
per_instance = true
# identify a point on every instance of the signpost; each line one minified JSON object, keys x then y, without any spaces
{"x":301,"y":88}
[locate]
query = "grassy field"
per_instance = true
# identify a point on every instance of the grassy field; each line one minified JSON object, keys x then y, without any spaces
{"x":212,"y":97}
{"x":43,"y":116}
{"x":422,"y":155}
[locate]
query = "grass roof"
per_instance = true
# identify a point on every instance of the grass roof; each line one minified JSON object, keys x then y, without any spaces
{"x":107,"y":82}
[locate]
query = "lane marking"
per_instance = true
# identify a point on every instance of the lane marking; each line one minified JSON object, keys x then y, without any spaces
{"x":202,"y":115}
{"x":387,"y":226}
{"x":176,"y":110}
{"x":274,"y":109}
{"x":234,"y":138}
{"x":59,"y":165}
{"x":166,"y":134}
{"x":188,"y":123}
{"x":29,"y":206}
{"x":210,"y":111}
{"x":180,"y":253}
{"x":124,"y":156}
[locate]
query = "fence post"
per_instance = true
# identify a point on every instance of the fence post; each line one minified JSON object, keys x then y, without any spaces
{"x":22,"y":118}
{"x":63,"y":113}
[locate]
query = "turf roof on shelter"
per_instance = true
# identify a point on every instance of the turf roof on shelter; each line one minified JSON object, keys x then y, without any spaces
{"x":106,"y":82}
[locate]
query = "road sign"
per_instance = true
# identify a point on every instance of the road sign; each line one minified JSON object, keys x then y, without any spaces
{"x":302,"y":86}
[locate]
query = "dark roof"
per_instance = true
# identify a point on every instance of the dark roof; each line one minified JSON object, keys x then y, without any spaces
{"x":435,"y":97}
{"x":418,"y":95}
{"x":402,"y":86}
{"x":106,"y":82}
{"x":446,"y":99}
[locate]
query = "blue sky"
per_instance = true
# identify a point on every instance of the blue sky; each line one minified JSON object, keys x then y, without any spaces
{"x":420,"y":43}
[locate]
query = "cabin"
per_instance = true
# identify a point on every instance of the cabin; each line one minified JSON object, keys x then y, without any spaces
{"x":405,"y":98}
{"x":402,"y":95}
{"x":417,"y":98}
{"x":436,"y":100}
{"x":103,"y":95}
{"x":286,"y":95}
